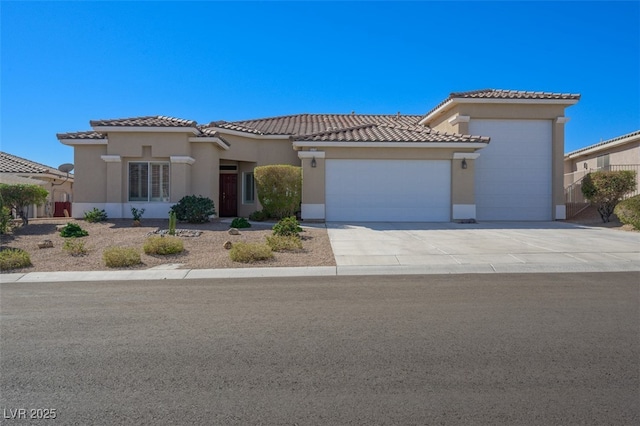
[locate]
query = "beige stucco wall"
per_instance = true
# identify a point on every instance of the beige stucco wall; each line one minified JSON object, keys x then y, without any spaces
{"x":90,"y":174}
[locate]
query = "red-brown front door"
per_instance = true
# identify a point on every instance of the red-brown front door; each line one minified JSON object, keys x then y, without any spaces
{"x":228,"y":195}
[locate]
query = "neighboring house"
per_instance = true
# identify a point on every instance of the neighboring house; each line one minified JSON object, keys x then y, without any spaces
{"x":620,"y":153}
{"x":355,"y":167}
{"x":17,"y":170}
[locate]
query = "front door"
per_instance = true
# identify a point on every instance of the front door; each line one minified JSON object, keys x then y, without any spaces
{"x":228,"y":195}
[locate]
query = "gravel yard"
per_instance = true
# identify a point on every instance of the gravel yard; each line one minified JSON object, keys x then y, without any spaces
{"x":203,"y":252}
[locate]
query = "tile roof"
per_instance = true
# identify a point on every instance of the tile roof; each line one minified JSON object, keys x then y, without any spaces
{"x":14,"y":164}
{"x":513,"y":94}
{"x":310,"y":124}
{"x":607,"y":142}
{"x":147,"y":121}
{"x":507,"y":95}
{"x":389,"y":133}
{"x":81,"y":135}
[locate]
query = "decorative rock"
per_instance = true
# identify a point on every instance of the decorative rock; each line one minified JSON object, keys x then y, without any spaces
{"x":45,"y":244}
{"x":59,"y":227}
{"x":227,"y":245}
{"x":234,"y":231}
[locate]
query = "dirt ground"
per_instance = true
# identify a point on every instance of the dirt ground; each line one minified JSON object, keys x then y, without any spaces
{"x":203,"y":252}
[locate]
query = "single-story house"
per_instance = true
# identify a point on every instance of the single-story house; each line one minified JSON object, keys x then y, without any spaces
{"x":18,"y":170}
{"x":484,"y":155}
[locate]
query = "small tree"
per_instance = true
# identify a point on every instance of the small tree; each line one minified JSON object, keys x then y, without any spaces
{"x":20,"y":196}
{"x":606,"y":189}
{"x":279,"y":189}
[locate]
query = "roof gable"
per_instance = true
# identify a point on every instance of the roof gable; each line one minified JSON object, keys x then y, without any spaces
{"x":146,"y":121}
{"x":13,"y":164}
{"x":620,"y":140}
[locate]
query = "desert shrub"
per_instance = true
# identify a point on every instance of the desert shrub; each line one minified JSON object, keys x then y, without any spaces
{"x":13,"y":258}
{"x":284,"y":243}
{"x":279,"y":189}
{"x":628,"y":211}
{"x":240,"y":222}
{"x":250,"y":252}
{"x":194,"y":209}
{"x":118,"y":257}
{"x":163,"y":245}
{"x":95,"y":215}
{"x":605,"y":189}
{"x":137,"y":213}
{"x":287,"y":227}
{"x":259,"y":216}
{"x":74,"y":247}
{"x":73,"y":230}
{"x":172,"y":223}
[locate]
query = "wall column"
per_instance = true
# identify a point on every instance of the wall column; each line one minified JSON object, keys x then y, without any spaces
{"x":180,"y":176}
{"x":463,"y":197}
{"x":114,"y":201}
{"x":313,"y":188}
{"x":557,"y":169}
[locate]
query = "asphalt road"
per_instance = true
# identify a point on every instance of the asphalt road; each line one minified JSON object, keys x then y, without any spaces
{"x":534,"y":349}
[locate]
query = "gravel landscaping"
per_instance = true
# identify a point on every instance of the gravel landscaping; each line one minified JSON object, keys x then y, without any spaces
{"x":204,"y":251}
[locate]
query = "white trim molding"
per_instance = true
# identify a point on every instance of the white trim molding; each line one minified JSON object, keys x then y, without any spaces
{"x":182,"y":159}
{"x":459,"y":119}
{"x":73,"y":142}
{"x":311,"y":154}
{"x":465,"y":155}
{"x":313,"y":211}
{"x":463,"y":211}
{"x":111,"y":158}
{"x":562,"y":120}
{"x":561,"y":212}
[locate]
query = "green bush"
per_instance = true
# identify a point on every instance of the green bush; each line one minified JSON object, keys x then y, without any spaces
{"x":95,"y":215}
{"x":172,"y":223}
{"x":287,"y":227}
{"x":284,"y":243}
{"x":259,"y":216}
{"x":73,"y":230}
{"x":74,"y":247}
{"x":279,"y":189}
{"x":163,"y":245}
{"x":137,"y":213}
{"x":240,"y":222}
{"x":20,"y":196}
{"x":118,"y":257}
{"x":11,"y":258}
{"x":5,"y":220}
{"x":628,"y":211}
{"x":605,"y":189}
{"x":194,"y":209}
{"x":250,"y":252}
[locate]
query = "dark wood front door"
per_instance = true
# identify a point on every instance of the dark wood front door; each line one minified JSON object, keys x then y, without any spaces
{"x":228,"y":195}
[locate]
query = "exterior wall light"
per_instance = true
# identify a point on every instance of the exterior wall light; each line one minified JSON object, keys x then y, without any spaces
{"x":313,"y":162}
{"x":464,"y":163}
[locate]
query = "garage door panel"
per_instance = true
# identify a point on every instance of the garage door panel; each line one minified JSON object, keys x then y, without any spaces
{"x":388,"y":190}
{"x":513,"y":173}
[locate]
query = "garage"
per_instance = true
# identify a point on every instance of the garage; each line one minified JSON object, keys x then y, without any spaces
{"x":388,"y":190}
{"x":513,"y":173}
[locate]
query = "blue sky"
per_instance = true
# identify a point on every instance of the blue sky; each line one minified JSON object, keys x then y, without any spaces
{"x":65,"y":63}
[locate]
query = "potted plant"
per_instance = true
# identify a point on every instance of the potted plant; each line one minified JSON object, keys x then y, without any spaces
{"x":137,"y":215}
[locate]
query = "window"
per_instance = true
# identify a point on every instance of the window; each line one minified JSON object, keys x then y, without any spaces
{"x":148,"y":181}
{"x":248,"y":188}
{"x":603,"y":161}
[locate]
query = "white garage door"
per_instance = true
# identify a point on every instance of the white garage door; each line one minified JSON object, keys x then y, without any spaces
{"x":513,"y":173}
{"x":388,"y":190}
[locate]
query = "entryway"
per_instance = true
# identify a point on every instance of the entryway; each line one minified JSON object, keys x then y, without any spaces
{"x":228,"y":201}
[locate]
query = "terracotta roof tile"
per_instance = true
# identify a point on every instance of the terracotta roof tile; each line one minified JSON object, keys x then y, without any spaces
{"x":309,"y":124}
{"x":505,"y":94}
{"x":81,"y":135}
{"x":147,"y":121}
{"x":389,"y":133}
{"x":628,"y":135}
{"x":14,"y":164}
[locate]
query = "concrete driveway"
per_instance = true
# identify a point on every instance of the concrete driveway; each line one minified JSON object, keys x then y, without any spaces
{"x":482,"y":247}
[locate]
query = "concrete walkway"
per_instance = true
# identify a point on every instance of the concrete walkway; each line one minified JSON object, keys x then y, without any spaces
{"x":424,"y":248}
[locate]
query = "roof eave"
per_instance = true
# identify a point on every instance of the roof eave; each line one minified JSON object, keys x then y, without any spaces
{"x":601,"y":147}
{"x":297,"y":145}
{"x":73,"y":142}
{"x":147,"y":129}
{"x":451,"y":102}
